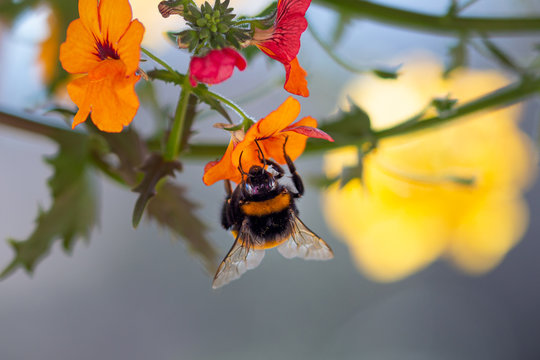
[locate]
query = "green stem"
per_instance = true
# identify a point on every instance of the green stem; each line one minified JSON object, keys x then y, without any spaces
{"x":230,"y":104}
{"x":432,"y":23}
{"x":504,"y":96}
{"x":175,"y":136}
{"x":34,"y":125}
{"x":158,"y":60}
{"x":501,"y":97}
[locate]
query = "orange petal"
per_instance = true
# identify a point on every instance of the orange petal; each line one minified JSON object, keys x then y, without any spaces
{"x":296,"y":143}
{"x":115,"y":16}
{"x":129,"y":46}
{"x":77,"y":90}
{"x":88,"y":12}
{"x":107,"y":94}
{"x":222,"y":169}
{"x":296,"y":82}
{"x":77,"y":54}
{"x":276,"y":121}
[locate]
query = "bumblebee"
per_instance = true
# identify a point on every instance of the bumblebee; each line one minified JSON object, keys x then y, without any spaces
{"x":261,"y":213}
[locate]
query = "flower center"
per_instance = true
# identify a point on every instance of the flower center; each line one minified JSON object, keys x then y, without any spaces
{"x":105,"y":50}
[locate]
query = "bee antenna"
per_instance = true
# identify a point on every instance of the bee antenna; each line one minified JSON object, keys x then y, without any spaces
{"x":261,"y":154}
{"x":240,"y":165}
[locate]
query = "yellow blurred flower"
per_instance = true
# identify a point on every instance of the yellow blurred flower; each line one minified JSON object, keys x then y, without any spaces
{"x":411,"y":208}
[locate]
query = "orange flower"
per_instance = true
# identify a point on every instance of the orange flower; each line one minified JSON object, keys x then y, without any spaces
{"x":104,"y":44}
{"x":270,"y":133}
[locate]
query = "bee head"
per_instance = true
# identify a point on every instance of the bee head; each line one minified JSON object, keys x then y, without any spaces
{"x":259,"y":181}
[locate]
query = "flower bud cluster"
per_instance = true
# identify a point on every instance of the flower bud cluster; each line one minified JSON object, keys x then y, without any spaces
{"x":211,"y":28}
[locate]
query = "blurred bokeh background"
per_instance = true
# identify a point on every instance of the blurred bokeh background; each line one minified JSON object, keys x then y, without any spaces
{"x":427,"y":286}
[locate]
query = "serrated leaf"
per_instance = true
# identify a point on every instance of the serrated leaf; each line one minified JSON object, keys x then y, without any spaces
{"x":351,"y":126}
{"x":154,"y":168}
{"x":171,"y":208}
{"x":130,"y":151}
{"x":72,"y":214}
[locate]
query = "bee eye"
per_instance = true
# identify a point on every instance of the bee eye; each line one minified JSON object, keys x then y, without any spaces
{"x":249,"y":188}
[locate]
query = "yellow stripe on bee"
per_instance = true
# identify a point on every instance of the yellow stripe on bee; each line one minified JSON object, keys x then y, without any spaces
{"x":267,"y":207}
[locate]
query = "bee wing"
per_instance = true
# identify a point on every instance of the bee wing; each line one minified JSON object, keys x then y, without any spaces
{"x":305,"y":244}
{"x":239,"y":260}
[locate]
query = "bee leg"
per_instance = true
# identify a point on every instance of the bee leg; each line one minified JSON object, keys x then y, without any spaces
{"x":230,"y":210}
{"x":277,"y":168}
{"x":297,"y":180}
{"x":228,"y":188}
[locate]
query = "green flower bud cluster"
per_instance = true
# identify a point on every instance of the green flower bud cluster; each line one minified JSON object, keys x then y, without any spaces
{"x":212,"y":28}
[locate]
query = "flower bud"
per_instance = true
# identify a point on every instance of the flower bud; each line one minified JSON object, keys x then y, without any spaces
{"x":168,"y":8}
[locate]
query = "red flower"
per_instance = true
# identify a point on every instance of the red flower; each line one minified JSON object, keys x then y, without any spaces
{"x":282,"y":42}
{"x":215,"y":67}
{"x":270,"y":134}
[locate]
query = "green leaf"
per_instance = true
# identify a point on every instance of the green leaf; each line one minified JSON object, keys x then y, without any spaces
{"x":351,"y":127}
{"x":386,"y":73}
{"x":166,"y":76}
{"x":129,"y":149}
{"x":72,"y":214}
{"x":171,"y":208}
{"x":444,"y":105}
{"x":154,"y":168}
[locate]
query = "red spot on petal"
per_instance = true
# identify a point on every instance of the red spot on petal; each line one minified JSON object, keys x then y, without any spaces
{"x":210,"y":164}
{"x":309,"y":132}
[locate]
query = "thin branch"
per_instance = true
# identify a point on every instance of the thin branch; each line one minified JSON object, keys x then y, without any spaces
{"x":229,"y":103}
{"x":502,"y":97}
{"x":33,"y":124}
{"x":433,"y":23}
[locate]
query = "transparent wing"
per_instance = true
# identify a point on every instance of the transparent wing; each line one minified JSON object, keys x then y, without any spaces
{"x":305,"y":244}
{"x":239,"y":259}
